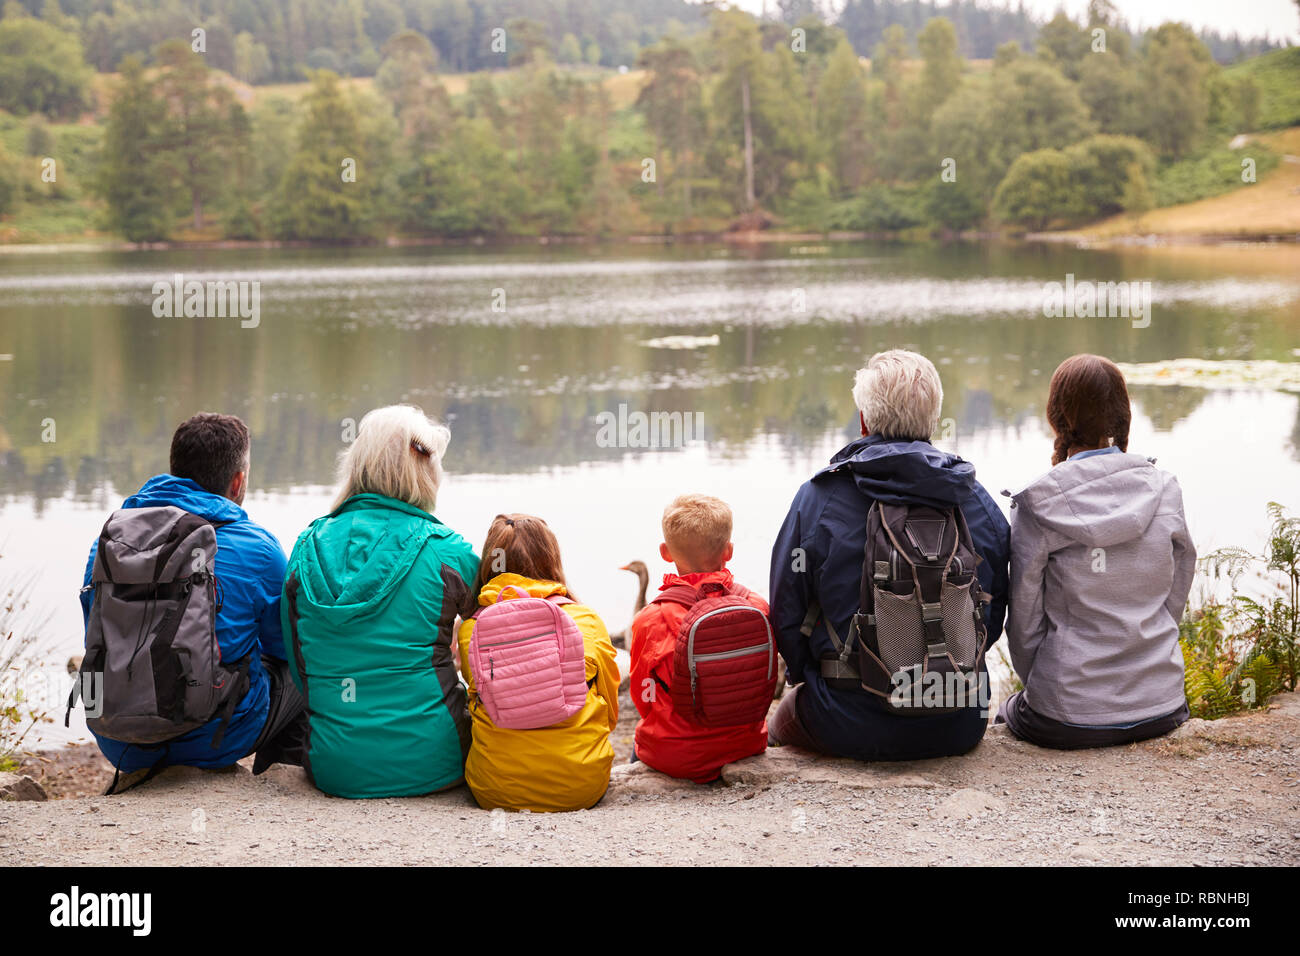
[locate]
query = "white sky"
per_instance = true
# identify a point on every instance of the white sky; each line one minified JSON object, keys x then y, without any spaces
{"x":1279,"y":18}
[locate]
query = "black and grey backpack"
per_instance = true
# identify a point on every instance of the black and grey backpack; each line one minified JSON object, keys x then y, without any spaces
{"x":919,"y":636}
{"x":152,"y":669}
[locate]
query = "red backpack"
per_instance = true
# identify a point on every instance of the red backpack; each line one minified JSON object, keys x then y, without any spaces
{"x":724,"y":666}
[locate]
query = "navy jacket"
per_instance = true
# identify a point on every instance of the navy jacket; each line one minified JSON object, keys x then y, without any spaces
{"x":828,"y":522}
{"x":250,"y":571}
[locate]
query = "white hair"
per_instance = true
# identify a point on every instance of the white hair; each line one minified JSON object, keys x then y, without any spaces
{"x":397,"y":453}
{"x":899,"y":395}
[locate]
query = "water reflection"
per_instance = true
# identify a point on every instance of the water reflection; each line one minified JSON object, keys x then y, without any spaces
{"x":345,"y":330}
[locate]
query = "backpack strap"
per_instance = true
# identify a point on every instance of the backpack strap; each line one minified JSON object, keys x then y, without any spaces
{"x":560,"y":599}
{"x":682,"y":594}
{"x":232,"y":702}
{"x":840,"y":667}
{"x":687,"y":596}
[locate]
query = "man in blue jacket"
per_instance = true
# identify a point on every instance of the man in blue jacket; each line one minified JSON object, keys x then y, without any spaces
{"x":817,"y":564}
{"x":209,"y":476}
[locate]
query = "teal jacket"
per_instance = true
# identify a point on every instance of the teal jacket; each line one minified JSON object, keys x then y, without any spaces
{"x":370,"y":602}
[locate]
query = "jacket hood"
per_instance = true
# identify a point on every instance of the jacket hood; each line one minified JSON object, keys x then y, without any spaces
{"x":350,"y":561}
{"x":696,"y":578}
{"x":164,"y":490}
{"x":898,"y":472}
{"x":1100,"y":501}
{"x":534,"y":588}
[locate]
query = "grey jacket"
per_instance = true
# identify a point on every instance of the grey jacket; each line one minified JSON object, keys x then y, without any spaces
{"x":1101,"y":565}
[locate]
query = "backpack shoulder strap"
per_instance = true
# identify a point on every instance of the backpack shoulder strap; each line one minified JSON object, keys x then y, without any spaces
{"x":682,"y":594}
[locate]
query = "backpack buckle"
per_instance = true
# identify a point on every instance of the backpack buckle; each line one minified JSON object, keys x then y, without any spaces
{"x":931,"y":612}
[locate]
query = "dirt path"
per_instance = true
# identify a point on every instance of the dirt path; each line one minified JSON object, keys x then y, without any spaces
{"x":1226,"y":792}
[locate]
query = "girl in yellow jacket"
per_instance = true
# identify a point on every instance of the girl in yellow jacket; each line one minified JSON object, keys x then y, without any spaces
{"x":564,"y":766}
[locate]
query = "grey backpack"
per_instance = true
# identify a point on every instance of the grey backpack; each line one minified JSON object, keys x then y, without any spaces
{"x":919,"y":636}
{"x":152,"y":669}
{"x":920,"y":627}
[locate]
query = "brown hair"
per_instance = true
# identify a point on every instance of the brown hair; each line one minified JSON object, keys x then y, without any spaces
{"x":210,"y":449}
{"x":1087,"y":405}
{"x":520,"y":544}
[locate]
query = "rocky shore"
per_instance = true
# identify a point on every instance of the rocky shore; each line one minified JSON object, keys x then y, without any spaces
{"x":1214,"y":793}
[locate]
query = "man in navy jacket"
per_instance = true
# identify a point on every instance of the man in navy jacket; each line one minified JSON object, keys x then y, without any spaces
{"x":817,"y":559}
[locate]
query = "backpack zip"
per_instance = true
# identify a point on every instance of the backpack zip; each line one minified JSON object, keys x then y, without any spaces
{"x":739,"y":652}
{"x":520,"y":640}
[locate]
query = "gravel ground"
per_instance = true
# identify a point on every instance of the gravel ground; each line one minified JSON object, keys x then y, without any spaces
{"x":1226,"y":792}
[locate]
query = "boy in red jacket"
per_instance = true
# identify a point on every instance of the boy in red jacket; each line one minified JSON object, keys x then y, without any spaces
{"x":697,"y":539}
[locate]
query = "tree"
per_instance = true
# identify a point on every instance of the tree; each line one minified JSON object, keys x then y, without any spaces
{"x":842,"y":119}
{"x":672,"y":103}
{"x":195,"y":140}
{"x":1063,"y":44}
{"x":129,"y":179}
{"x":41,"y":69}
{"x":1176,"y":67}
{"x":1023,"y":106}
{"x":466,"y":188}
{"x":10,"y":176}
{"x":1136,"y":199}
{"x":1113,"y":92}
{"x":317,"y":199}
{"x":525,"y":38}
{"x":252,"y":62}
{"x":1036,"y":189}
{"x":941,"y":70}
{"x":887,"y":65}
{"x":760,"y":106}
{"x":408,"y":79}
{"x":1100,"y":170}
{"x":735,"y":36}
{"x":570,"y":50}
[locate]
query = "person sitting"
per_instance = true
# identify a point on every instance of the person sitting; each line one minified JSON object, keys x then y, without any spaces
{"x":1101,"y":565}
{"x":261,"y":712}
{"x":370,"y":603}
{"x":697,"y":539}
{"x":817,"y":573}
{"x":516,"y":764}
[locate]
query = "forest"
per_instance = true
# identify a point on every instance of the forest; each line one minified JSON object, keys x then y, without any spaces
{"x":360,"y":120}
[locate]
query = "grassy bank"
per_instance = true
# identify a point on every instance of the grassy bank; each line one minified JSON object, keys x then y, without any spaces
{"x":1269,"y":207}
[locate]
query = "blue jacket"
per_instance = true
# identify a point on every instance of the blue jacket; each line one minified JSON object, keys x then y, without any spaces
{"x":250,"y":573}
{"x":828,"y":522}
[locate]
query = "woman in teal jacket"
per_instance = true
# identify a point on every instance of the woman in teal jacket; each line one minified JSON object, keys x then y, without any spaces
{"x":371,"y":598}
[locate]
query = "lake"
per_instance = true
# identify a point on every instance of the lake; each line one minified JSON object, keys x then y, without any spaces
{"x":521,"y":350}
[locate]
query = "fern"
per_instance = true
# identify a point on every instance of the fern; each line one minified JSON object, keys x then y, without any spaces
{"x":1240,"y":652}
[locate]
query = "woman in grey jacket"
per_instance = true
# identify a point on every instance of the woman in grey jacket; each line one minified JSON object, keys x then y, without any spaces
{"x":1101,"y":565}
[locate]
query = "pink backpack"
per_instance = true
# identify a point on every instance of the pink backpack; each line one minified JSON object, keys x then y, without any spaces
{"x":528,"y":661}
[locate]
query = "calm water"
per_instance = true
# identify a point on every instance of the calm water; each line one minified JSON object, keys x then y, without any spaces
{"x":583,"y":330}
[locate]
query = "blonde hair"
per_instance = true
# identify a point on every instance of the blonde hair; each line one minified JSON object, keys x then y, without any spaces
{"x":899,"y":395}
{"x":698,"y":527}
{"x":397,"y":453}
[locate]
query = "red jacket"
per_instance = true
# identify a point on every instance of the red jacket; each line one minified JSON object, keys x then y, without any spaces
{"x":665,"y":740}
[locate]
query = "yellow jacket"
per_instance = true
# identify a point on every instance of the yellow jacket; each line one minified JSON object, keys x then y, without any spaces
{"x":563,"y":767}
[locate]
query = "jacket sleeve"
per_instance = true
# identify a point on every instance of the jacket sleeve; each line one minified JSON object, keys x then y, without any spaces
{"x":86,"y":597}
{"x":1184,"y":566}
{"x":270,"y":633}
{"x":463,"y":638}
{"x":997,"y":557}
{"x":602,"y":661}
{"x":790,"y":587}
{"x":649,"y":651}
{"x":1027,"y":623}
